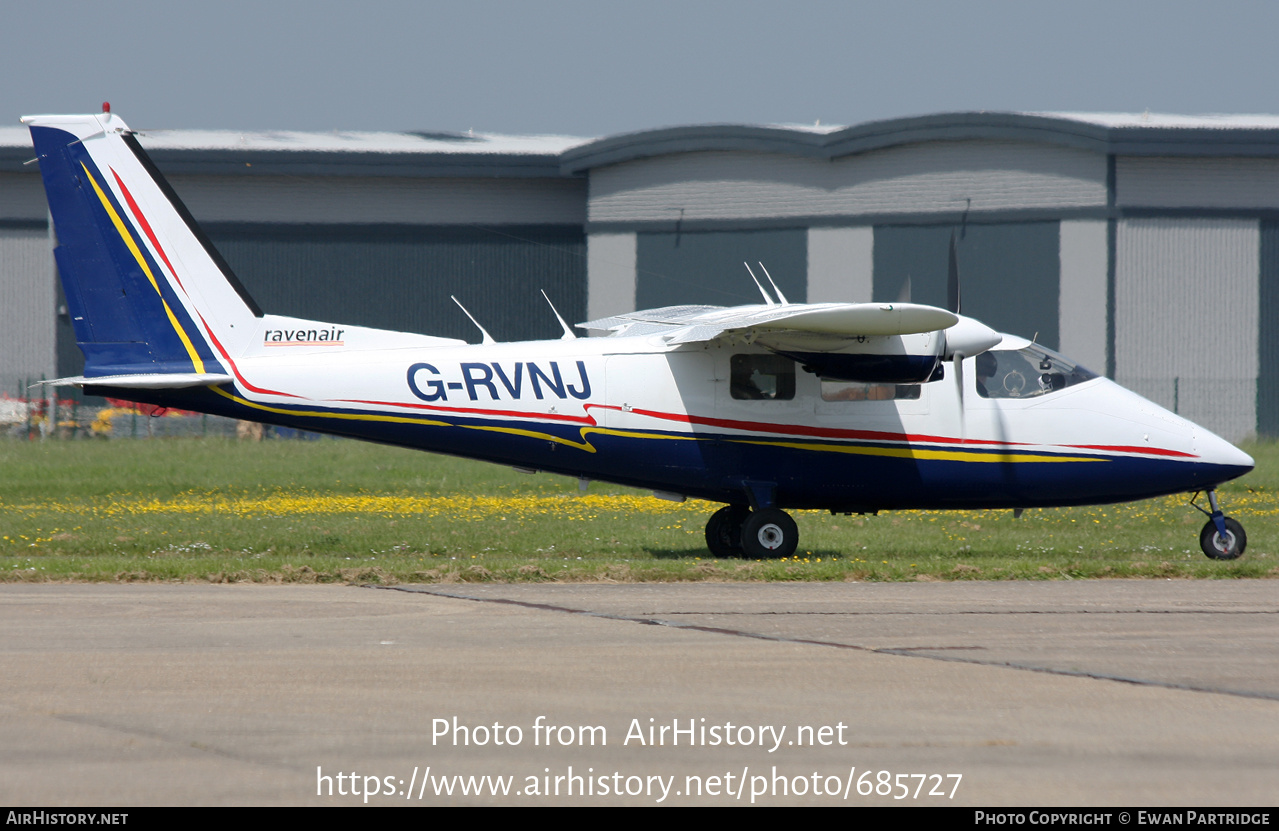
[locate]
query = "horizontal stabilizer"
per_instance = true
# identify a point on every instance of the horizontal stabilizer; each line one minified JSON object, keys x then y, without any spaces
{"x":151,"y":381}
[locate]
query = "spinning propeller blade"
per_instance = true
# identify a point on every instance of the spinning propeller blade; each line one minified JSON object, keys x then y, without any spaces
{"x":952,"y":278}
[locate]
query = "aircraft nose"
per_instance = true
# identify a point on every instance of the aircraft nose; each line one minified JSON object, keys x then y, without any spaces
{"x":1217,"y":451}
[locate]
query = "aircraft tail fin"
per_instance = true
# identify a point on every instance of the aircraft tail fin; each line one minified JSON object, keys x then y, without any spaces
{"x":147,"y":293}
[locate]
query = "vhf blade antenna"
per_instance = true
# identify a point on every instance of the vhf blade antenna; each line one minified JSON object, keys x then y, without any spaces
{"x":487,"y":338}
{"x":776,"y":290}
{"x":759,"y":285}
{"x":568,"y":333}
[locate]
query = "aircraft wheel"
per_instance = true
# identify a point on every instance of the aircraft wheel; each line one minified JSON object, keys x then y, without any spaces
{"x":1229,"y":548}
{"x":769,"y":533}
{"x":724,"y":531}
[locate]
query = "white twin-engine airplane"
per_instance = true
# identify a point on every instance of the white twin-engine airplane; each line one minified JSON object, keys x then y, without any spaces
{"x":847,"y":407}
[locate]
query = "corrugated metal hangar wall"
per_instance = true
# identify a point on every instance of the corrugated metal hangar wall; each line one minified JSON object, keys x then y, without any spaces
{"x":1142,"y":248}
{"x":1146,"y":248}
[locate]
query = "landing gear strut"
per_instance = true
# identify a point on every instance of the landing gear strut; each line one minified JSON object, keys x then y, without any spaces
{"x":1222,"y":537}
{"x":736,"y":531}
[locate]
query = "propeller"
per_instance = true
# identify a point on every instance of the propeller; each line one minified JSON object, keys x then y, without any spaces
{"x":953,"y":305}
{"x":952,"y":278}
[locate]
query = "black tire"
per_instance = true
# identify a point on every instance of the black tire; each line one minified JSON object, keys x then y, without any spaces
{"x":724,"y":531}
{"x":769,"y":534}
{"x":1230,"y":548}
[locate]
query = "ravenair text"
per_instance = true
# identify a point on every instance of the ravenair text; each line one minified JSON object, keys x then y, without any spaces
{"x":500,"y":380}
{"x":303,"y":337}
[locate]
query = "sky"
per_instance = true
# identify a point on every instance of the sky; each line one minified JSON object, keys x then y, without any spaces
{"x":603,"y":68}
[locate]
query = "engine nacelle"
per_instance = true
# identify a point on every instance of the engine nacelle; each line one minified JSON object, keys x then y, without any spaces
{"x":883,"y":359}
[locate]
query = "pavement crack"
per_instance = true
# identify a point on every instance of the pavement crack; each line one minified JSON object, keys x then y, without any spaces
{"x":165,"y":738}
{"x":650,"y":619}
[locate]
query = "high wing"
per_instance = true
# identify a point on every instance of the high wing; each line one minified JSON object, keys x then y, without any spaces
{"x":690,"y":324}
{"x":889,"y":342}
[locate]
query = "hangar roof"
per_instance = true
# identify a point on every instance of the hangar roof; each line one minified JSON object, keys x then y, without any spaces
{"x":336,"y":153}
{"x":444,"y":154}
{"x":1133,"y":134}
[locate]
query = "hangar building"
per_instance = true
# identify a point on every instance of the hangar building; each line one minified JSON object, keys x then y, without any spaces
{"x":1144,"y":246}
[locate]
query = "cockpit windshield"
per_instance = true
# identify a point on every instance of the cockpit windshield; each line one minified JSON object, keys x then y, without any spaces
{"x":1026,"y":373}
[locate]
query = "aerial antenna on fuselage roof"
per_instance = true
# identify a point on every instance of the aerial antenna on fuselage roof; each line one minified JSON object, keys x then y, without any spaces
{"x":776,"y":290}
{"x":487,"y":338}
{"x":568,"y":333}
{"x":759,"y":285}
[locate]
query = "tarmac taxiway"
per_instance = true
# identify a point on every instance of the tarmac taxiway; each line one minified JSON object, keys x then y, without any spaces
{"x":1121,"y":692}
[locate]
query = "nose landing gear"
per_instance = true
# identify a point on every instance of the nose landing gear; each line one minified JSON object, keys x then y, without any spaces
{"x":1222,"y":537}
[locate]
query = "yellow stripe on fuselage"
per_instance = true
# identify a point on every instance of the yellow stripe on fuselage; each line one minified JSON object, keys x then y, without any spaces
{"x":533,"y":434}
{"x":137,"y":255}
{"x":584,"y":444}
{"x":927,"y":453}
{"x":321,"y":414}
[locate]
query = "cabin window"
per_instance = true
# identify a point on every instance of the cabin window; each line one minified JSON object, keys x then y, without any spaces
{"x":858,"y":391}
{"x":762,"y":378}
{"x":1026,"y":373}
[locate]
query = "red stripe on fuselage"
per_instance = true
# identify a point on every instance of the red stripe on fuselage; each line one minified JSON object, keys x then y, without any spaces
{"x":236,"y":370}
{"x":1120,"y":448}
{"x":877,"y":435}
{"x":805,"y":430}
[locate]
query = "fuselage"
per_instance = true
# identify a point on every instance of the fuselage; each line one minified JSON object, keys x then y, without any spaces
{"x":706,"y":420}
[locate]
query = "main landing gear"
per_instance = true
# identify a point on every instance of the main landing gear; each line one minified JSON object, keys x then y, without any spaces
{"x":737,"y":531}
{"x":1222,"y":537}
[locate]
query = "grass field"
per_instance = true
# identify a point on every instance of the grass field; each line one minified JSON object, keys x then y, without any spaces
{"x":344,"y":511}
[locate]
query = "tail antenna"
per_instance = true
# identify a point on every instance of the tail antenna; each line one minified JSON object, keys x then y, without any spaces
{"x":759,"y":285}
{"x":776,"y":290}
{"x":487,"y":338}
{"x":568,"y":333}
